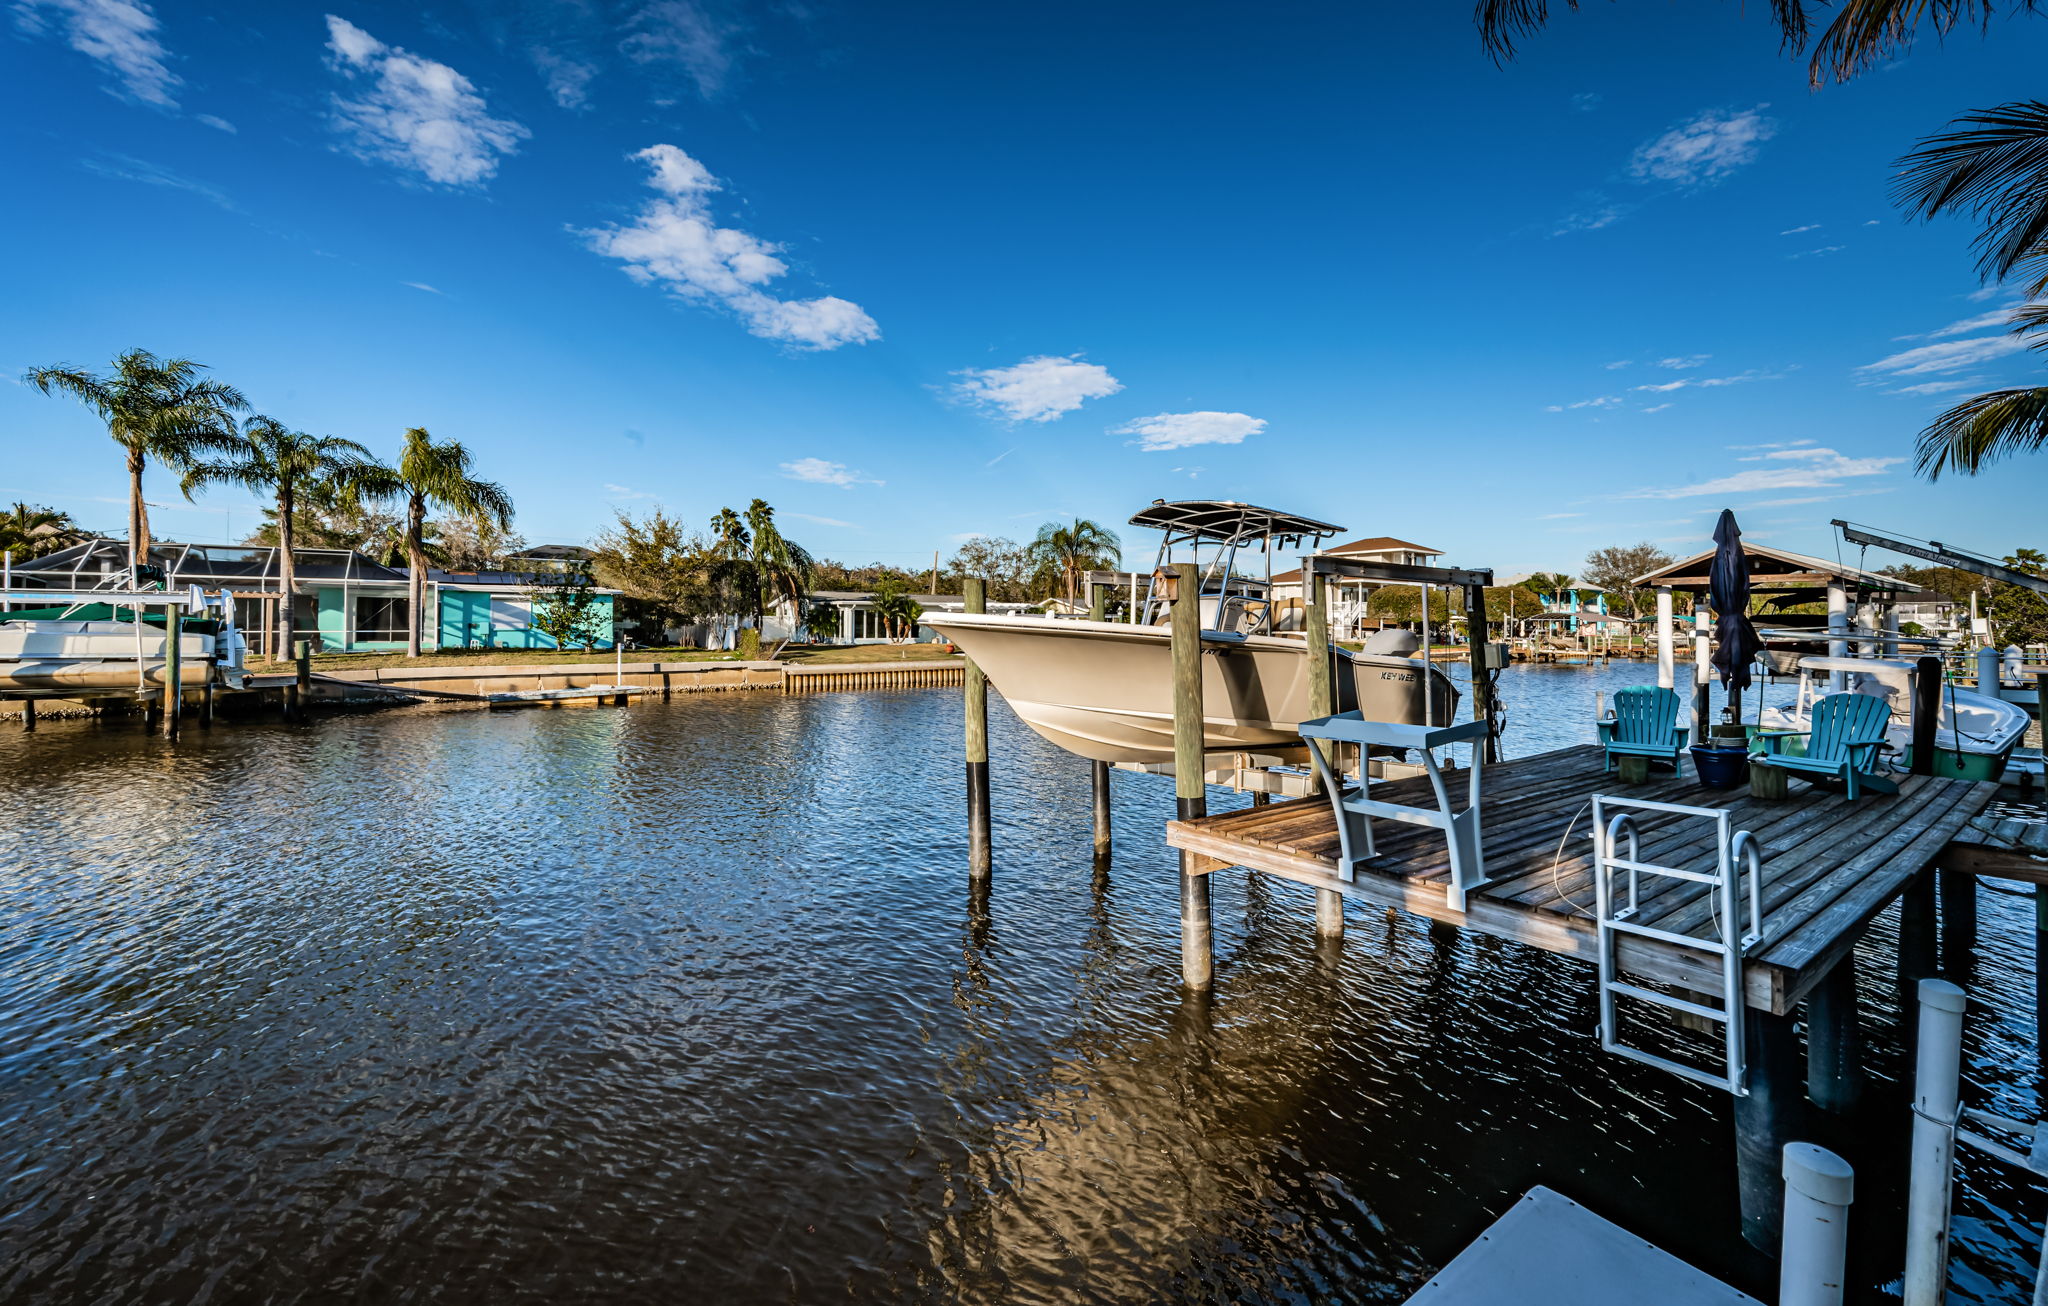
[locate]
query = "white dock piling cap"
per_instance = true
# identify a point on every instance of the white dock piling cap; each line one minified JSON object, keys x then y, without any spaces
{"x":1820,"y":1174}
{"x":1940,"y":993}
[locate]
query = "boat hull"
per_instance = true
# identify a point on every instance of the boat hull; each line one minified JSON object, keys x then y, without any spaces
{"x":1104,"y":690}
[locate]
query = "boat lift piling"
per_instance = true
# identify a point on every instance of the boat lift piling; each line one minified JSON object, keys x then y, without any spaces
{"x":1190,"y":789}
{"x":1322,"y":702}
{"x":980,"y":856}
{"x":174,"y":686}
{"x":1098,"y":771}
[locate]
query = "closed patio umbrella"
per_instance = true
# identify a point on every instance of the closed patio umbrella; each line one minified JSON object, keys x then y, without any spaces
{"x":1736,"y":640}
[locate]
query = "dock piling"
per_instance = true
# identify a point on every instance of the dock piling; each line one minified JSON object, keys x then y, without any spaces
{"x":1937,"y":1077}
{"x":1819,"y":1186}
{"x":1926,"y":713}
{"x":302,"y":687}
{"x":980,"y":855}
{"x":1197,"y":947}
{"x":1099,"y":774}
{"x":1322,"y":701}
{"x":1766,"y":1118}
{"x":1958,"y":925}
{"x":1917,"y":928}
{"x":28,"y":714}
{"x":174,"y":687}
{"x":1834,"y":1041}
{"x":206,"y":703}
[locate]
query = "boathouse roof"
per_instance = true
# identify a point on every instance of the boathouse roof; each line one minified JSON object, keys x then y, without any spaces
{"x":1776,"y":569}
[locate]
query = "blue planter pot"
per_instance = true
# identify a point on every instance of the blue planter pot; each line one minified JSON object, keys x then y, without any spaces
{"x":1720,"y":768}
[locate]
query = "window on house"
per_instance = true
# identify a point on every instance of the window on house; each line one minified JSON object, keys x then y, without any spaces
{"x":380,"y":620}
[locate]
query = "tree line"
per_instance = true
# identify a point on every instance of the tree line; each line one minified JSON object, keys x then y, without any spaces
{"x":166,"y":411}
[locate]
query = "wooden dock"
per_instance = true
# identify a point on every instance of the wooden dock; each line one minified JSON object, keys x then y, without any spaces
{"x":1830,"y":865}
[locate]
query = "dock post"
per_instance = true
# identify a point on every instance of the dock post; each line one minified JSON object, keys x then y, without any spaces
{"x":980,"y":857}
{"x":1834,"y":1041}
{"x":1926,"y":716}
{"x":174,"y":681}
{"x":1482,"y":674}
{"x":1099,"y":773}
{"x":1818,"y":1189}
{"x":1766,"y":1118}
{"x":1667,"y":660}
{"x":1322,"y":701}
{"x":28,"y":714}
{"x":302,"y":685}
{"x":1098,"y":602}
{"x":206,"y":702}
{"x":1958,"y":924}
{"x":1916,"y":943}
{"x":1937,"y":1080}
{"x":1197,"y":946}
{"x":1702,"y":673}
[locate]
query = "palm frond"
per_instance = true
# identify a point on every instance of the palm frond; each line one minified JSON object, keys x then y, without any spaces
{"x":1983,"y":429}
{"x":1867,"y":32}
{"x":1994,"y":167}
{"x":2029,"y":318}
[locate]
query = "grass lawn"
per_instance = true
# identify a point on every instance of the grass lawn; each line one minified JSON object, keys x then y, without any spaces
{"x":518,"y":657}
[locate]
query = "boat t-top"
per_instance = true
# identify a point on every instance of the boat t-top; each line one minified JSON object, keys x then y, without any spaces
{"x":1104,"y":689}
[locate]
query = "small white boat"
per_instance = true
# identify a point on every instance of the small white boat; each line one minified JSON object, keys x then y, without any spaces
{"x":100,"y":658}
{"x":1975,"y":737}
{"x":1104,"y":689}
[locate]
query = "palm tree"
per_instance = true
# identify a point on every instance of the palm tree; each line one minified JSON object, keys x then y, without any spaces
{"x":1994,"y":167}
{"x":1863,"y":33}
{"x":430,"y":475}
{"x":154,"y":407}
{"x":269,"y":457}
{"x":781,"y":566}
{"x":31,"y":531}
{"x":1064,"y":555}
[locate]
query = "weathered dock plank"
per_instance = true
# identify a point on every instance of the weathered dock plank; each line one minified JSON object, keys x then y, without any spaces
{"x":1830,"y":865}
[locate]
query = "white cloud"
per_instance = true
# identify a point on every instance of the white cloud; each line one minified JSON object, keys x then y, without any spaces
{"x":1822,"y":252}
{"x":1997,"y":317}
{"x":1163,"y":431}
{"x":1704,"y":149}
{"x":1776,"y":444}
{"x":1950,"y":356}
{"x":822,"y":521}
{"x":819,"y":471}
{"x":1620,"y":363}
{"x":1982,"y":293}
{"x":568,"y":79}
{"x":1793,"y":231}
{"x":1038,"y":389}
{"x":1937,"y":387}
{"x":1796,"y":469}
{"x":415,"y":113}
{"x":1657,"y":408}
{"x":1602,"y":401}
{"x":1586,"y":101}
{"x":1559,"y":516}
{"x":218,"y":124}
{"x":1680,"y":364}
{"x":421,"y":285}
{"x":1598,"y":212}
{"x":119,"y":34}
{"x":1708,"y":382}
{"x":674,"y":243}
{"x":120,"y":167}
{"x":625,"y":492}
{"x":680,"y":32}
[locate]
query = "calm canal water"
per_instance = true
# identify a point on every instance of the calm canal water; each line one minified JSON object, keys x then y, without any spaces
{"x":689,"y":1002}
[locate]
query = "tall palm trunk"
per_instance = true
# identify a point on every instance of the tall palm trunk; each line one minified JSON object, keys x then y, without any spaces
{"x":287,"y":571}
{"x":138,"y":514}
{"x":416,"y":564}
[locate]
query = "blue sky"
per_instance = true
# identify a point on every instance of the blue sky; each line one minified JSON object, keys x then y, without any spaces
{"x":914,"y":272}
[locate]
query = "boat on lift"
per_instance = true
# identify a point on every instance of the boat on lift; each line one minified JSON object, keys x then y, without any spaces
{"x":97,"y":649}
{"x":1104,"y":689}
{"x":1974,"y":739}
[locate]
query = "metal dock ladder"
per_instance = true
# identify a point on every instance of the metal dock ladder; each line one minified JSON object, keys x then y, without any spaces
{"x":1735,"y":852}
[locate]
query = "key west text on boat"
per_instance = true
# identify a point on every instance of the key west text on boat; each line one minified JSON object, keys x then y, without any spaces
{"x":1104,"y":689}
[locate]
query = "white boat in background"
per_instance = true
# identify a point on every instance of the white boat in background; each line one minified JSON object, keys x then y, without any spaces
{"x":1104,"y":689}
{"x":1976,"y":735}
{"x":101,"y":658}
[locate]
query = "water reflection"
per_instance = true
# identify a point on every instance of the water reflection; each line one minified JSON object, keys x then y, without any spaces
{"x":693,"y":1001}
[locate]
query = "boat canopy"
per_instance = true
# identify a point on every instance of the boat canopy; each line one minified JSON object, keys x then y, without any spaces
{"x":1229,"y":523}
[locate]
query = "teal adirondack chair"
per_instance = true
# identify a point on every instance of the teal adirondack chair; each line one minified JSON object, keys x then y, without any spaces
{"x":1848,"y":731}
{"x":1645,"y":724}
